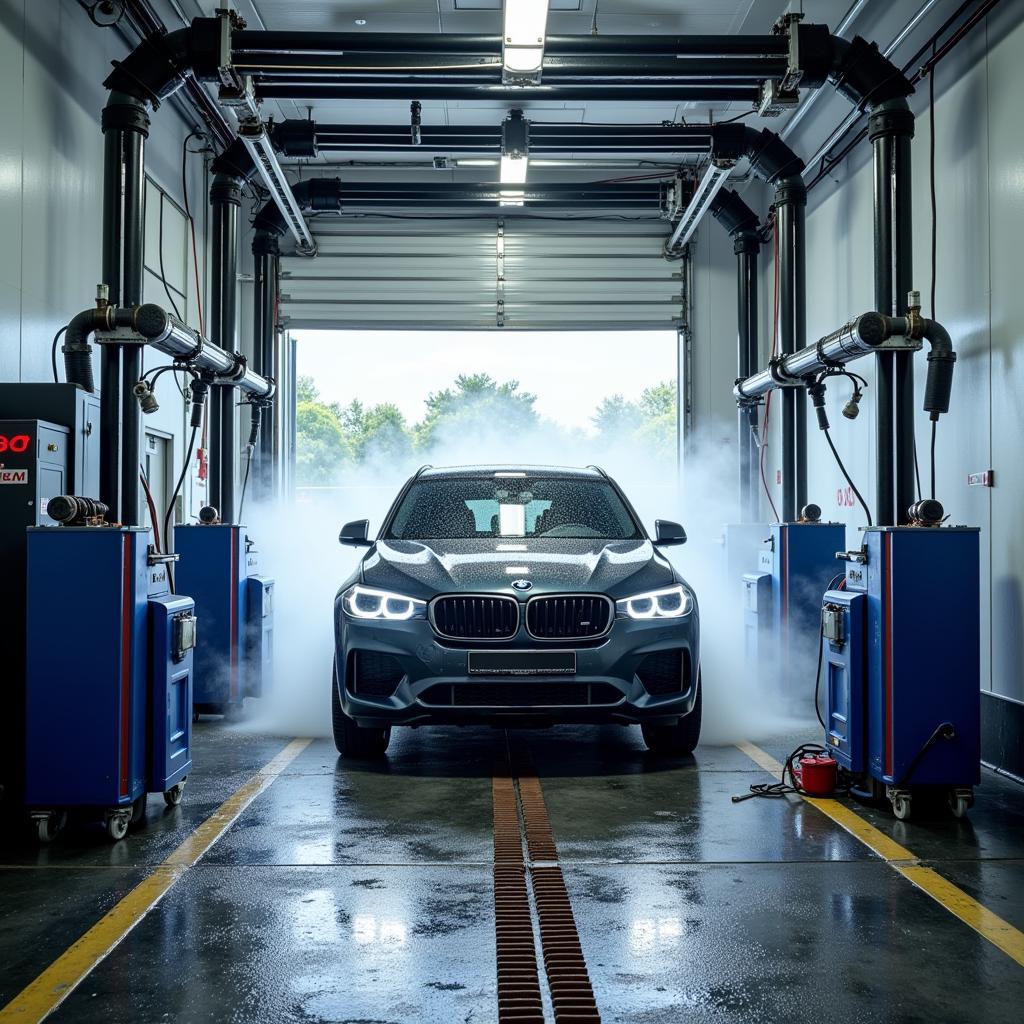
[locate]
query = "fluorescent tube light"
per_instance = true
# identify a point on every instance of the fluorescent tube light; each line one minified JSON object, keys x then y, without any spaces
{"x":525,"y":24}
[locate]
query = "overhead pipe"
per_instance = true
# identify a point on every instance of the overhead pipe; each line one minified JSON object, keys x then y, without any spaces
{"x":300,"y":44}
{"x":773,"y":161}
{"x":332,"y":195}
{"x":266,"y":263}
{"x":870,"y":80}
{"x":729,"y":209}
{"x":306,"y":139}
{"x":231,"y":169}
{"x":866,"y":334}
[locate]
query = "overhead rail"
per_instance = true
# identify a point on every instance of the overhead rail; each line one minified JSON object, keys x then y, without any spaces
{"x":301,"y":138}
{"x":332,"y":195}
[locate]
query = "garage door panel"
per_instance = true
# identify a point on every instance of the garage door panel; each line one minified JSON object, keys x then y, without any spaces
{"x":517,"y":273}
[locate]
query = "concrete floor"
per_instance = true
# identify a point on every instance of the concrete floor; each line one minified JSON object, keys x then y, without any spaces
{"x":364,"y":894}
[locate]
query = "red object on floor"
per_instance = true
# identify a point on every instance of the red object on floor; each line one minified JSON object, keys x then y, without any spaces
{"x":817,"y":774}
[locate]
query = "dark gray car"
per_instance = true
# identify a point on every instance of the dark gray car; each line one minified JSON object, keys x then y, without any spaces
{"x":515,"y":595}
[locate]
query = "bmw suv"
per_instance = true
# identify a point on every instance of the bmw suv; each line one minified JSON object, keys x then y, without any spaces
{"x":514,"y":595}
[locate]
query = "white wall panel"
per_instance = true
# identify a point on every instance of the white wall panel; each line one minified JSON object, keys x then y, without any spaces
{"x":53,"y":61}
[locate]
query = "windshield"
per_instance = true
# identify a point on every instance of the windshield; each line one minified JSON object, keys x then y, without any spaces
{"x":512,"y":505}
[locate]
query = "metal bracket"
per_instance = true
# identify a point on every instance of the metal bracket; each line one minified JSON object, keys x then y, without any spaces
{"x":900,"y":343}
{"x":775,"y":98}
{"x":236,"y":90}
{"x":787,"y":26}
{"x":120,"y":336}
{"x":500,"y":276}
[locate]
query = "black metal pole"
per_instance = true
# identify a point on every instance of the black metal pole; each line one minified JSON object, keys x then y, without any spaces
{"x":890,"y":128}
{"x":746,"y":247}
{"x":225,"y":199}
{"x":791,"y":198}
{"x":125,"y":124}
{"x":134,"y":246}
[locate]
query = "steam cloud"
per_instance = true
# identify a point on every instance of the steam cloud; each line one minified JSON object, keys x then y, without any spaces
{"x":299,"y":549}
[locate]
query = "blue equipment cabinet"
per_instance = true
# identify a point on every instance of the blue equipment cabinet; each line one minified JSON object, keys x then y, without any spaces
{"x":218,"y":569}
{"x":259,"y":635}
{"x":172,"y":635}
{"x":924,"y":656}
{"x":843,"y":658}
{"x":99,"y":701}
{"x":800,"y":559}
{"x":920,"y":712}
{"x":757,"y":610}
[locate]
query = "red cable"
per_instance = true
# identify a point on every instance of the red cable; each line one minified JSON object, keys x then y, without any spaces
{"x":775,"y":345}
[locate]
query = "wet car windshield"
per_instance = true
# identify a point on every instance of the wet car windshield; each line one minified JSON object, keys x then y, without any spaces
{"x":512,"y":506}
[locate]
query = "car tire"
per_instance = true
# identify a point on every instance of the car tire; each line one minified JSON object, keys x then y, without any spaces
{"x":351,"y":739}
{"x":679,"y":740}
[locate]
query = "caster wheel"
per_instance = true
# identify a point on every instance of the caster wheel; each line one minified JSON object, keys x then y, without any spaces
{"x":901,"y":807}
{"x":49,"y":826}
{"x":960,"y":802}
{"x":173,"y":796}
{"x":138,"y":815}
{"x":117,"y":824}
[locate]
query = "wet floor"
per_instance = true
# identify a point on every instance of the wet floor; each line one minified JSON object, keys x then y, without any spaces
{"x":350,"y":893}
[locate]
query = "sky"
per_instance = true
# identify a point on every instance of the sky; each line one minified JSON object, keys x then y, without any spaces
{"x":569,"y":372}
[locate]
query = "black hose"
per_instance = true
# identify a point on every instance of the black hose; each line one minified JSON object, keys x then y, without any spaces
{"x":160,"y":247}
{"x":77,"y":350}
{"x":177,"y":489}
{"x":934,"y":425}
{"x":53,"y":353}
{"x":853,"y":486}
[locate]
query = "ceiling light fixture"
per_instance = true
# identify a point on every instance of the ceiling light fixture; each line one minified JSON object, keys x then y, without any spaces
{"x":515,"y":156}
{"x":523,"y":41}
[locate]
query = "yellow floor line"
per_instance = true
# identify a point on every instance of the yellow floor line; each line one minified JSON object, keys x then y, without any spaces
{"x":40,"y":998}
{"x":988,"y":925}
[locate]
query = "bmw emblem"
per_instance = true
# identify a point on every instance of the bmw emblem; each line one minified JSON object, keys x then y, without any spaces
{"x":522,"y":585}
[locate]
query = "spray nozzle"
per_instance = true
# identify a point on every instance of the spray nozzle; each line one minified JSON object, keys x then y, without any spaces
{"x":816,"y":390}
{"x":147,"y":399}
{"x":852,"y":408}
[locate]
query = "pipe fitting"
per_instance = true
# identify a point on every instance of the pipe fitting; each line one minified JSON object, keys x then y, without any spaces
{"x":864,"y":75}
{"x":155,"y":69}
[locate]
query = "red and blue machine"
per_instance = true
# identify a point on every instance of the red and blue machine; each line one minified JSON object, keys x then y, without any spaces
{"x":782,"y":602}
{"x":109,"y":676}
{"x":219,"y":568}
{"x":901,"y":650}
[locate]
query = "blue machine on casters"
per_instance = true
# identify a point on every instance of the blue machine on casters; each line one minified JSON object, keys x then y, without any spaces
{"x":781,"y":603}
{"x":218,"y":568}
{"x":901,"y":650}
{"x":109,"y":673}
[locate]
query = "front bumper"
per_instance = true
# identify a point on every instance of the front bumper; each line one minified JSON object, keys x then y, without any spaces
{"x":436,"y":686}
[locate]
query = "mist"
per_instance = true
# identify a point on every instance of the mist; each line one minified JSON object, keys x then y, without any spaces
{"x":299,"y":549}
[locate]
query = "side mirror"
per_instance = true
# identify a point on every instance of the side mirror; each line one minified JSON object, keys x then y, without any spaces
{"x":667,"y":532}
{"x":356,"y":534}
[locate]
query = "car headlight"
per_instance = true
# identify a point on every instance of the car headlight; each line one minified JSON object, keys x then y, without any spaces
{"x":366,"y":603}
{"x":667,"y":603}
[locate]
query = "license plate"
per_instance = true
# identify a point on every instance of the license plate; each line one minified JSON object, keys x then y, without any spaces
{"x":522,"y":663}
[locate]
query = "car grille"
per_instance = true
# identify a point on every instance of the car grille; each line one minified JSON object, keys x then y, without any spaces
{"x":476,"y":617}
{"x":374,"y":675}
{"x":576,"y":616}
{"x":665,"y":672}
{"x":519,"y":695}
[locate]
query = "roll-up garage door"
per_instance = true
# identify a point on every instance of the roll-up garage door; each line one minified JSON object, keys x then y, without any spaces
{"x":512,"y":273}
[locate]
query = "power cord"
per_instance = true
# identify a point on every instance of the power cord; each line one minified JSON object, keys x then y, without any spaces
{"x":782,"y":787}
{"x":53,"y":353}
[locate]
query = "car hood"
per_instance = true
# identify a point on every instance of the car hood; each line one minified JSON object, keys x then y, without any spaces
{"x":616,"y":568}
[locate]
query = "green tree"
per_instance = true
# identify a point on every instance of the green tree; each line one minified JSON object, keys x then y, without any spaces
{"x":321,"y":447}
{"x":306,"y":390}
{"x":476,"y":403}
{"x":616,"y":417}
{"x":380,"y":433}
